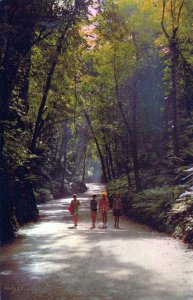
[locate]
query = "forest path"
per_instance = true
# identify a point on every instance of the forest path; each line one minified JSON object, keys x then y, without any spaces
{"x":50,"y":260}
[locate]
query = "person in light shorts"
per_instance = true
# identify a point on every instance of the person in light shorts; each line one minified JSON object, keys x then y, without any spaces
{"x":75,"y":203}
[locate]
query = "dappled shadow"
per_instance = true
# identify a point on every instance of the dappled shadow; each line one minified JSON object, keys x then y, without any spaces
{"x":81,"y":267}
{"x":49,"y":261}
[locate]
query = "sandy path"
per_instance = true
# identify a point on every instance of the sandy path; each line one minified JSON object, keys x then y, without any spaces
{"x":52,"y":261}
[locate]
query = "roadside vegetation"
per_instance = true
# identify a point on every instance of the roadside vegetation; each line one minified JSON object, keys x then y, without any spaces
{"x":83,"y":82}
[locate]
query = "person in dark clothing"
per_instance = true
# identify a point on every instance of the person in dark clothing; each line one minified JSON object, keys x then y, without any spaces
{"x":93,"y":208}
{"x":117,"y":210}
{"x":111,"y":199}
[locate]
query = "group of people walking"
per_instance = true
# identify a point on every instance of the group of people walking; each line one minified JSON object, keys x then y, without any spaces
{"x":102,"y":206}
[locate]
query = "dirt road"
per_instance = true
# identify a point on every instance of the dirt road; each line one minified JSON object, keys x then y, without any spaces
{"x":51,"y":260}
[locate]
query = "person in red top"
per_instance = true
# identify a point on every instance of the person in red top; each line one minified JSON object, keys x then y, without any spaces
{"x":103,"y":207}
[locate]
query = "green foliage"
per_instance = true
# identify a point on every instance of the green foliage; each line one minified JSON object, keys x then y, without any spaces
{"x":15,"y":151}
{"x":43,"y":195}
{"x":115,"y":70}
{"x":118,"y":185}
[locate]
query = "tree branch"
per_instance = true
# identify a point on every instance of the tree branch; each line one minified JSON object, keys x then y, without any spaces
{"x":172,"y":10}
{"x":76,"y":100}
{"x":179,"y":12}
{"x":162,"y":20}
{"x":59,"y":121}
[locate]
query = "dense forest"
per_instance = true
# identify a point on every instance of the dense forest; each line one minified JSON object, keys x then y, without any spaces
{"x":89,"y":82}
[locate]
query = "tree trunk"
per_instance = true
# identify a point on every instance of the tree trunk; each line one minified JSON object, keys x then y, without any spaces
{"x":134,"y":139}
{"x":23,"y":81}
{"x":84,"y":163}
{"x":39,"y":121}
{"x":93,"y":134}
{"x":98,"y":147}
{"x":8,"y":71}
{"x":175,"y":14}
{"x":62,"y":154}
{"x":63,"y":169}
{"x":131,"y":132}
{"x":174,"y":97}
{"x":110,"y":160}
{"x":108,"y":163}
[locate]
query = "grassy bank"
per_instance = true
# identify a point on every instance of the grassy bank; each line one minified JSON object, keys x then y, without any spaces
{"x":167,"y":209}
